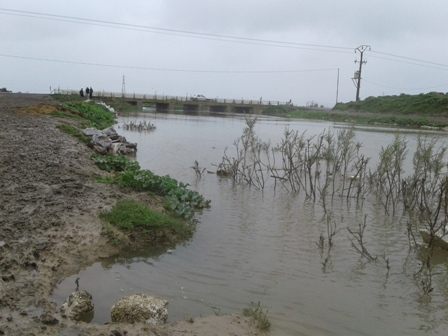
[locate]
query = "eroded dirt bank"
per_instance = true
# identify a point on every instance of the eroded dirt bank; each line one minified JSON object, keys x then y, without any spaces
{"x":49,"y":226}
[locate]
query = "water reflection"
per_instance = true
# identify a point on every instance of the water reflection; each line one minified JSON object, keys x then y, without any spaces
{"x":262,"y":246}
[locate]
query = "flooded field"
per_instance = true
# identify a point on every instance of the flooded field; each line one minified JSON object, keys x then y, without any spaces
{"x":263,"y":245}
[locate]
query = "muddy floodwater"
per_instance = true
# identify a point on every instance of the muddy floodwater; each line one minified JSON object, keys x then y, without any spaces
{"x":261,"y":246}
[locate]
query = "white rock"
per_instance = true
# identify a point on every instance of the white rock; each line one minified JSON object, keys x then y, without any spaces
{"x":90,"y":132}
{"x":140,"y":308}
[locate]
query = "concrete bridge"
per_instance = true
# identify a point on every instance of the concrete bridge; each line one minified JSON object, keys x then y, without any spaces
{"x":163,"y":103}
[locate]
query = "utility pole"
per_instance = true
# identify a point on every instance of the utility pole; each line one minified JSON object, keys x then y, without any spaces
{"x":123,"y":87}
{"x":357,"y":77}
{"x":337,"y":88}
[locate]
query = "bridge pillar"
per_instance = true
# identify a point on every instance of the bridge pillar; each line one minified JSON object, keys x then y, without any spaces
{"x":162,"y":107}
{"x":218,"y":108}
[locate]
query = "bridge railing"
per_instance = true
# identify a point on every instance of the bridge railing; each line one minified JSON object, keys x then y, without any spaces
{"x":158,"y":97}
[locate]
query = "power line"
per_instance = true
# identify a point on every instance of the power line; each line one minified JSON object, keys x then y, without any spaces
{"x":215,"y":36}
{"x":411,"y":63}
{"x":409,"y":58}
{"x":136,"y":67}
{"x":179,"y":32}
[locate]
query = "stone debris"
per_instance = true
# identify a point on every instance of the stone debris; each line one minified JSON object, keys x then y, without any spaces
{"x":48,"y":319}
{"x":90,"y":132}
{"x":78,"y":306}
{"x":140,"y":308}
{"x":108,"y":141}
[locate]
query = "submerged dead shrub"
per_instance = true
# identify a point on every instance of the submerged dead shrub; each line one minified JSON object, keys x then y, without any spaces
{"x":387,"y":178}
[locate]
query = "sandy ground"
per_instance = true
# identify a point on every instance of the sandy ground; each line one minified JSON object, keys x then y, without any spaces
{"x":49,"y":227}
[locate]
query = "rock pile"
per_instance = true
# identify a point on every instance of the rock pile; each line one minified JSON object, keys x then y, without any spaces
{"x":108,"y":141}
{"x":140,"y":308}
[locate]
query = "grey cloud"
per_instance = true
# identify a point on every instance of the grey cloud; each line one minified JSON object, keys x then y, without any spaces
{"x":411,"y":28}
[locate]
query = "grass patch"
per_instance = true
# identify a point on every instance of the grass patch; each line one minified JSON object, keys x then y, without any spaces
{"x":352,"y":116}
{"x":179,"y":199}
{"x":258,"y":316}
{"x":129,"y":215}
{"x":74,"y":132}
{"x":119,"y":104}
{"x":96,"y":115}
{"x":432,"y":104}
{"x":105,"y":180}
{"x":115,"y":163}
{"x":71,"y":115}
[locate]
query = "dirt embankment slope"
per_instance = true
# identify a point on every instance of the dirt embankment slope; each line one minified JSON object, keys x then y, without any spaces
{"x":49,"y":226}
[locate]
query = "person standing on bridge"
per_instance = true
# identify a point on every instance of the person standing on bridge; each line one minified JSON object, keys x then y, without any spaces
{"x":81,"y":92}
{"x":87,"y":92}
{"x":90,"y":93}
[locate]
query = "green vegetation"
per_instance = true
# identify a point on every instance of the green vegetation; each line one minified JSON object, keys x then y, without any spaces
{"x":73,"y":131}
{"x":179,"y":200}
{"x":96,"y":115}
{"x":119,"y":104}
{"x":429,"y":104}
{"x":129,"y":215}
{"x":415,"y":111}
{"x":83,"y":114}
{"x":258,"y":316}
{"x":367,"y":118}
{"x":115,"y":163}
{"x":71,"y":115}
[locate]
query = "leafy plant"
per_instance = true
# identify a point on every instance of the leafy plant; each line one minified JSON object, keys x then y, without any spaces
{"x":182,"y":201}
{"x":115,"y":163}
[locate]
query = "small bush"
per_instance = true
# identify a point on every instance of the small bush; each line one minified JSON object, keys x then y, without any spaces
{"x":180,"y":200}
{"x":258,"y":316}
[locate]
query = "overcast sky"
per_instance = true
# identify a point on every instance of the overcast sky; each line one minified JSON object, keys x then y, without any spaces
{"x":411,"y":28}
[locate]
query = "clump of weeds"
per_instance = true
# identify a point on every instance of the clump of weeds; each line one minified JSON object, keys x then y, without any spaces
{"x":258,"y":316}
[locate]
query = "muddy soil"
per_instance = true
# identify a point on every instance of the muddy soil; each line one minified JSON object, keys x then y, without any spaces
{"x":49,"y":226}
